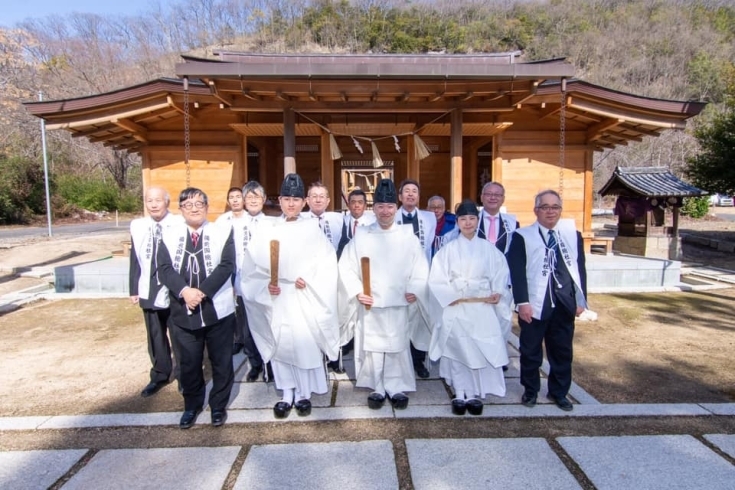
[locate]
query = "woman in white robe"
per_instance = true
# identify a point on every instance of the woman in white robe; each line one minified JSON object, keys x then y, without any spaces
{"x":469,"y":280}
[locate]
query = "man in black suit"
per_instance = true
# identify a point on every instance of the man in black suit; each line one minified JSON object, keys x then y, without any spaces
{"x":547,"y":271}
{"x":196,"y":262}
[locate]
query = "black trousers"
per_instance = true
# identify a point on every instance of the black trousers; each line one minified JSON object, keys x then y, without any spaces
{"x":557,"y":333}
{"x":417,"y":356}
{"x":218,"y":340}
{"x":159,"y":348}
{"x":244,"y":337}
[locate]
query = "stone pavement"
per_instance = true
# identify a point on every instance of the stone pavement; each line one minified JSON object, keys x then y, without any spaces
{"x":522,"y":461}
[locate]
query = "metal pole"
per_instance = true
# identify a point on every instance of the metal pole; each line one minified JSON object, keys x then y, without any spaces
{"x":45,"y":170}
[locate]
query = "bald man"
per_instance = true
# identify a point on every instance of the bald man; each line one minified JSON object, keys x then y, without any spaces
{"x":147,"y":290}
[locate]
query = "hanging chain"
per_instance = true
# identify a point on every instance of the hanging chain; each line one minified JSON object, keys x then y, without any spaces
{"x":562,"y":134}
{"x":187,"y":136}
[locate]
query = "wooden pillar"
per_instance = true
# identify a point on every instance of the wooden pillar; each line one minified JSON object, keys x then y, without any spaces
{"x":327,"y":172}
{"x":675,"y":223}
{"x":289,"y":141}
{"x":455,"y":151}
{"x":588,"y":201}
{"x":496,"y":174}
{"x":263,"y":153}
{"x":412,"y":164}
{"x":243,"y":173}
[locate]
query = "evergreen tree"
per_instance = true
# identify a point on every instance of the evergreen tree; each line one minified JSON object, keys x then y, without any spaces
{"x":713,"y":168}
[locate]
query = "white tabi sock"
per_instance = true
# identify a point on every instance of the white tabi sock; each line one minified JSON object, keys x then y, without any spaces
{"x":288,"y":395}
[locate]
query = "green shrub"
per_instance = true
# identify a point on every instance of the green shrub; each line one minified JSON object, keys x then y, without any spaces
{"x":695,"y":207}
{"x":22,"y":190}
{"x":96,"y":194}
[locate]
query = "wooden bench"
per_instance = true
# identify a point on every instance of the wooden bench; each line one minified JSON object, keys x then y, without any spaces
{"x":604,"y":241}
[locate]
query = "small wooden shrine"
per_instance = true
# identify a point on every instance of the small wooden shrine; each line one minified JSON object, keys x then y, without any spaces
{"x":648,"y":204}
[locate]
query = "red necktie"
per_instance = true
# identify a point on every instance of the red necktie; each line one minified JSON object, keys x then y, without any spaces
{"x":194,"y":239}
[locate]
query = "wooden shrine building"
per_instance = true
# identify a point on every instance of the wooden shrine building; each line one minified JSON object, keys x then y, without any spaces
{"x":644,"y":194}
{"x":348,"y":119}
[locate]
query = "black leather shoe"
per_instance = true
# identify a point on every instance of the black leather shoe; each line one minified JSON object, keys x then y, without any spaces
{"x":422,"y":372}
{"x":528,"y":399}
{"x":236,"y":347}
{"x":475,"y":406}
{"x":505,"y":368}
{"x":152,"y":388}
{"x":376,"y":400}
{"x":282,"y":409}
{"x":303,"y":407}
{"x":399,"y":401}
{"x":562,"y":402}
{"x":459,"y":407}
{"x":188,"y":418}
{"x":253,"y":374}
{"x":219,"y":417}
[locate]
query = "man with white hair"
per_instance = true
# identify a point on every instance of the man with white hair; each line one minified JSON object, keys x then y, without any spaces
{"x":146,"y":288}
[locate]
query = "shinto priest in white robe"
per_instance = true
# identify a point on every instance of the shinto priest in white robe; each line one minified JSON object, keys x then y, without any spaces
{"x":294,"y":328}
{"x":382,"y":334}
{"x":469,"y":340}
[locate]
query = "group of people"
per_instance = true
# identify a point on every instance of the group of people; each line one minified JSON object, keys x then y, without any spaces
{"x":394,"y":284}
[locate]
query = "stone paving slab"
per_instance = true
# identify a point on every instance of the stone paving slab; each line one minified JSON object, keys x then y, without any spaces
{"x":339,"y":465}
{"x":21,"y":470}
{"x":155,"y":469}
{"x":22,"y":423}
{"x":111,"y":420}
{"x":726,"y":442}
{"x":265,"y":395}
{"x":481,"y":464}
{"x":358,"y":410}
{"x":720,"y":408}
{"x":652,"y":462}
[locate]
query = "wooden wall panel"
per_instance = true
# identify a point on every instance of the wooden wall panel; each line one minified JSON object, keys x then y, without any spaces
{"x":214,"y":176}
{"x":524,"y":177}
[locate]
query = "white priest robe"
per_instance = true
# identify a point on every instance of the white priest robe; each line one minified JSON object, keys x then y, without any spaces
{"x":294,"y":328}
{"x":469,"y":339}
{"x":382,"y":334}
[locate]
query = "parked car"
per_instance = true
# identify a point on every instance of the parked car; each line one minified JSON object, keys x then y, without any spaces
{"x":720,"y":200}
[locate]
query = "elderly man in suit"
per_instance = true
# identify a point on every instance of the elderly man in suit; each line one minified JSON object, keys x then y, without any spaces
{"x":547,"y":271}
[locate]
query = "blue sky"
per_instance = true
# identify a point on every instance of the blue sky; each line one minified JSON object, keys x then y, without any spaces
{"x":15,"y":11}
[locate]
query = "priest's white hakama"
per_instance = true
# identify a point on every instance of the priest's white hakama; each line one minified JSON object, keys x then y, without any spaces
{"x":382,"y":334}
{"x":294,"y":328}
{"x":469,"y":340}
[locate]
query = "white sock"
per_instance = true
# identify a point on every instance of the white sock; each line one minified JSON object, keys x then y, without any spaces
{"x":288,"y":395}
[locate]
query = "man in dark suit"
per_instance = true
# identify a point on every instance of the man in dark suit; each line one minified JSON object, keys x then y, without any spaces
{"x":547,"y":271}
{"x":196,"y":263}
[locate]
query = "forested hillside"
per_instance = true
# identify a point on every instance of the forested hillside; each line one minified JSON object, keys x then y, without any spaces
{"x":673,"y":49}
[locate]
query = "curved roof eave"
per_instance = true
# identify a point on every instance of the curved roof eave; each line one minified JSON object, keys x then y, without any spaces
{"x":690,"y":108}
{"x":141,"y":91}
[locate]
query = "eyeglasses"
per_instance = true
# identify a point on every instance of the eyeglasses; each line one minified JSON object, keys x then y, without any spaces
{"x":318,"y":196}
{"x":493,"y":194}
{"x":190,"y":205}
{"x":546,"y":209}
